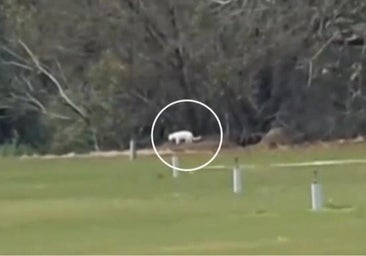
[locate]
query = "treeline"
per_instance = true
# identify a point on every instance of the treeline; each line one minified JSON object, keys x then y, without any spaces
{"x":89,"y":74}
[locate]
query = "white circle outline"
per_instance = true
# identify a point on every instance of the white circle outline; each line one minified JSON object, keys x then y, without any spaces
{"x":187,"y":169}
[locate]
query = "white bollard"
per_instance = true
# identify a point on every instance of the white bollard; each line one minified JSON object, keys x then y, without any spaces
{"x":132,"y":150}
{"x":237,"y":178}
{"x":175,"y":163}
{"x":316,"y":194}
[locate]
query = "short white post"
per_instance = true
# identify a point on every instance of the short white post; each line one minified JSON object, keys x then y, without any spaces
{"x":132,"y":150}
{"x":175,"y":163}
{"x":316,"y":194}
{"x":237,"y":177}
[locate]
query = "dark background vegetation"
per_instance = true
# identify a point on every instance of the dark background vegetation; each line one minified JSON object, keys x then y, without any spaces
{"x":89,"y":74}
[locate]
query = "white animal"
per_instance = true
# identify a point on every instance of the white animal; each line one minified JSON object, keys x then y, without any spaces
{"x":187,"y":136}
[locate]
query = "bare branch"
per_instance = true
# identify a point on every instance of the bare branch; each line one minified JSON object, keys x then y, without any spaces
{"x":32,"y":100}
{"x":151,"y":26}
{"x":138,"y":95}
{"x":310,"y":76}
{"x":315,"y":56}
{"x":63,"y":95}
{"x":16,"y":64}
{"x":222,"y":2}
{"x":12,"y":53}
{"x":61,"y":71}
{"x":28,"y":83}
{"x":324,"y":46}
{"x":36,"y":102}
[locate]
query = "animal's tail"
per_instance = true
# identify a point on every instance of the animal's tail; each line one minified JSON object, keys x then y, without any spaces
{"x":197,"y":138}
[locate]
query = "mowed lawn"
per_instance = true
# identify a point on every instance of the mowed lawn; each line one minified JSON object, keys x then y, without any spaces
{"x":112,"y":205}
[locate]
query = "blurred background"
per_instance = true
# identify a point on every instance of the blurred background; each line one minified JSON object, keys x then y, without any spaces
{"x":88,"y":75}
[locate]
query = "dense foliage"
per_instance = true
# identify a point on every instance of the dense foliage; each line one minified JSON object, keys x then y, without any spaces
{"x":89,"y":74}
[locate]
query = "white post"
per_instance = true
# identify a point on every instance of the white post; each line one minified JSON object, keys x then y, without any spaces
{"x":175,"y":163}
{"x":237,"y":177}
{"x":316,"y":194}
{"x":132,"y":150}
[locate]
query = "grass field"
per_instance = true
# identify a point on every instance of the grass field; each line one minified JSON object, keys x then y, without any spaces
{"x":105,"y":206}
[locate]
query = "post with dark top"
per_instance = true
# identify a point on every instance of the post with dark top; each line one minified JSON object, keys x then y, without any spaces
{"x":316,"y":193}
{"x":237,"y":187}
{"x":133,"y":153}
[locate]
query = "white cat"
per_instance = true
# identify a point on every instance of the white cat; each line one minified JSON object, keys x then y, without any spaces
{"x":187,"y":136}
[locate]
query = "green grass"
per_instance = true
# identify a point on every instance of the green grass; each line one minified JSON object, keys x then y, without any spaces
{"x":105,"y":206}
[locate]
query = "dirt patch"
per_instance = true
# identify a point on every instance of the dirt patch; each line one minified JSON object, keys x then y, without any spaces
{"x":280,"y":136}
